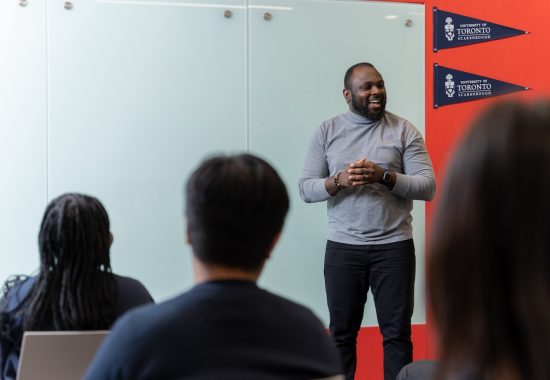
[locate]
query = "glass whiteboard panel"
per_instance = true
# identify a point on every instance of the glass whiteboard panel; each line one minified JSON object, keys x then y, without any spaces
{"x":140,"y":92}
{"x":297,"y":63}
{"x":22,"y":135}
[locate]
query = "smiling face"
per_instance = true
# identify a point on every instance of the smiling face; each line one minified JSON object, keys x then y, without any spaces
{"x":366,"y":95}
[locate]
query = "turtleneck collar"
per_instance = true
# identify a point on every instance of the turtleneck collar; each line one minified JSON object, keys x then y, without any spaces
{"x":358,"y":119}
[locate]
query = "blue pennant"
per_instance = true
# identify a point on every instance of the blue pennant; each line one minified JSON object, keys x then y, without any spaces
{"x":454,"y":86}
{"x":453,"y":30}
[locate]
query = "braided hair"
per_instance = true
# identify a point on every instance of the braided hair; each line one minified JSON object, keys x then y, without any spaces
{"x":75,"y":288}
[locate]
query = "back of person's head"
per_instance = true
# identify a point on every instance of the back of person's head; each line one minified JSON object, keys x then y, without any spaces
{"x":74,"y":289}
{"x":74,"y":223}
{"x":489,"y":259}
{"x":235,"y":207}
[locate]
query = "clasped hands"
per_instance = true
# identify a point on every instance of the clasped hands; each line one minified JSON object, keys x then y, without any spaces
{"x":361,"y":172}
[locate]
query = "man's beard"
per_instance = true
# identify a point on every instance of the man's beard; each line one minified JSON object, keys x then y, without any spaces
{"x":364,"y":109}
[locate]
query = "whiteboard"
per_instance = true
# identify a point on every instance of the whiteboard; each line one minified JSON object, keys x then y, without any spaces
{"x":123,"y":98}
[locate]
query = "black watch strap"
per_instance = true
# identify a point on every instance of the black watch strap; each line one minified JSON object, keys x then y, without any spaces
{"x":337,"y":184}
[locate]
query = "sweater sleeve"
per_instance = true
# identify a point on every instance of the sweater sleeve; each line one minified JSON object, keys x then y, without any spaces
{"x":418,"y":180}
{"x":314,"y":171}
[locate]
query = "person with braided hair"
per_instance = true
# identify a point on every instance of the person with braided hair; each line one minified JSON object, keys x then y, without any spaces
{"x":75,"y":288}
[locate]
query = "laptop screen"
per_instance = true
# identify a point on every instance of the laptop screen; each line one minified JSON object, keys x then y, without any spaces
{"x":57,"y":355}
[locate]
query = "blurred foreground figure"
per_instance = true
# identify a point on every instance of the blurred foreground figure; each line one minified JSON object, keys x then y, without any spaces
{"x":489,"y":263}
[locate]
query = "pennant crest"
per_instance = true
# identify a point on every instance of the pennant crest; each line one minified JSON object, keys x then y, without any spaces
{"x":453,"y":30}
{"x":454,"y":86}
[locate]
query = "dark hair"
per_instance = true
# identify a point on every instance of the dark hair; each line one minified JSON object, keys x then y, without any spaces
{"x":74,"y":289}
{"x":235,"y":205}
{"x":489,"y":261}
{"x":349,"y":73}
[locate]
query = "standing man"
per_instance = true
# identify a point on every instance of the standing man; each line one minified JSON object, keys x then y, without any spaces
{"x":369,"y":165}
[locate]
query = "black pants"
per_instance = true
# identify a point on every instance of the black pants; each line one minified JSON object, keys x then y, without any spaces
{"x":389,"y":270}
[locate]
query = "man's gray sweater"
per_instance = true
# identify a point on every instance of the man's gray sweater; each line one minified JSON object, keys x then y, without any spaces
{"x":369,"y":214}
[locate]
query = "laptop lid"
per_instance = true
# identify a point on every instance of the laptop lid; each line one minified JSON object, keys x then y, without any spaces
{"x":59,"y":355}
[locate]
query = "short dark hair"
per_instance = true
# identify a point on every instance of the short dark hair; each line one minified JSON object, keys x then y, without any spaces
{"x":349,"y":73}
{"x":489,"y":259}
{"x":235,"y":205}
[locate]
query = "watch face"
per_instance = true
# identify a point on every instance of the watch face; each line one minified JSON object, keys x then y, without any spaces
{"x":386,"y":177}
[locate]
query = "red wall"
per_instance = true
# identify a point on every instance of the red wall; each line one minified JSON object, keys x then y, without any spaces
{"x":520,"y":60}
{"x":403,"y":1}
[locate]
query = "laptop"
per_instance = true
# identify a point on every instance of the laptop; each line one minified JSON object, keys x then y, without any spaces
{"x":57,"y":355}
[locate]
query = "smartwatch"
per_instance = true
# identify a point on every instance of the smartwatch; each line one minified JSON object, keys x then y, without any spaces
{"x":336,"y":183}
{"x":386,"y":177}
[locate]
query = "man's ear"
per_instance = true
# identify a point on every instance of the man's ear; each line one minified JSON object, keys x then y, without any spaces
{"x":187,"y":238}
{"x":111,"y":238}
{"x":273,"y":244}
{"x":347,"y":95}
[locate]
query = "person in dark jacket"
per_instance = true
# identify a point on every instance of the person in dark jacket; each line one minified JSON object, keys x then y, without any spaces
{"x":75,"y":288}
{"x":225,"y":327}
